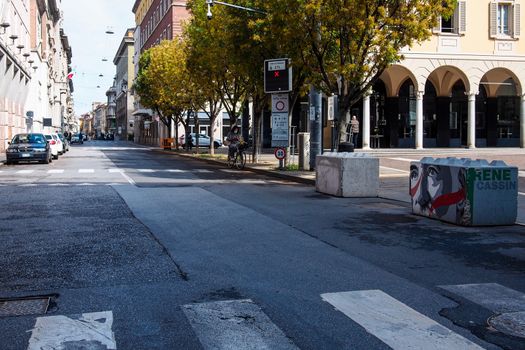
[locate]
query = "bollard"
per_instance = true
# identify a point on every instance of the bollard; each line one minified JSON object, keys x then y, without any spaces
{"x":347,"y":174}
{"x":303,"y":144}
{"x":464,"y":191}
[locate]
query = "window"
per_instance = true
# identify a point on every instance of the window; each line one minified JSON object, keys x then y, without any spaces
{"x":456,"y":23}
{"x":503,"y":19}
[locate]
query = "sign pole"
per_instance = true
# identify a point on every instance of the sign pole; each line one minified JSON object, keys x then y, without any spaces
{"x":316,"y":125}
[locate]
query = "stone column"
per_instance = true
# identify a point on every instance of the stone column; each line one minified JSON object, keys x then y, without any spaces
{"x":471,"y":133}
{"x":522,"y":122}
{"x":366,"y":121}
{"x":419,"y":120}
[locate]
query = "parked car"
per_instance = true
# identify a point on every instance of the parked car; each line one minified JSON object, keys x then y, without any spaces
{"x":55,"y":144}
{"x":204,"y":141}
{"x":65,"y":142}
{"x":28,"y":147}
{"x":77,"y":138}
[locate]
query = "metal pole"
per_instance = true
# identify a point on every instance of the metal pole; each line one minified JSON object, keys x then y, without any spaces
{"x":315,"y":125}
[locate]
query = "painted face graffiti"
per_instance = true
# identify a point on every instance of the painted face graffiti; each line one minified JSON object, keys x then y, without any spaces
{"x":438,"y":191}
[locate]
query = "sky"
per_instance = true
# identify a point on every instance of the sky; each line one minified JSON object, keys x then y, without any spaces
{"x":85,"y":24}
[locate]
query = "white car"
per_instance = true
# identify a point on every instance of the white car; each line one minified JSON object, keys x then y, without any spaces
{"x":55,"y":144}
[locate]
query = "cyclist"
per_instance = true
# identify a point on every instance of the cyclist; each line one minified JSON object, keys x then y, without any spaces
{"x":234,"y":139}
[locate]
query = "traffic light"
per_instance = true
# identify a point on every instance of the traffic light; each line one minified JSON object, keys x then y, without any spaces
{"x":277,"y":76}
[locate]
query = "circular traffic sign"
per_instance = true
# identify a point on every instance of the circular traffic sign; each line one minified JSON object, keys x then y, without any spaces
{"x":280,"y":106}
{"x":280,"y":153}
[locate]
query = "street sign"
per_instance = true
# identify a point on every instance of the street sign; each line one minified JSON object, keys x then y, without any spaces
{"x":279,"y":129}
{"x":332,"y":101}
{"x":280,"y":153}
{"x":280,"y":103}
{"x":277,"y":75}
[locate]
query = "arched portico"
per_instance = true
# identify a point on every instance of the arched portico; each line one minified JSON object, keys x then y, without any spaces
{"x":446,"y":104}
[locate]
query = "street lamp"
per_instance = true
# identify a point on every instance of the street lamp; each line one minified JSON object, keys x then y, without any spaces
{"x":213,"y":2}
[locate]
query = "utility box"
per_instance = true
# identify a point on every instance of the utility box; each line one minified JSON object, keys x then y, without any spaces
{"x":464,"y":191}
{"x":347,"y":174}
{"x":303,"y":145}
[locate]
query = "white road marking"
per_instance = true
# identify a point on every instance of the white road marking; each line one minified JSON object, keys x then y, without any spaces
{"x":86,"y":331}
{"x":405,"y":159}
{"x":55,"y":171}
{"x":235,"y":324}
{"x":202,"y":171}
{"x":128,"y":179}
{"x":521,"y":173}
{"x":27,"y":185}
{"x":521,"y":193}
{"x":395,"y":323}
{"x":145,"y":170}
{"x":394,"y":169}
{"x":177,"y":171}
{"x":86,"y":171}
{"x":58,"y":185}
{"x":116,"y":170}
{"x":492,"y":296}
{"x":25,"y":171}
{"x":231,"y":171}
{"x":85,"y":184}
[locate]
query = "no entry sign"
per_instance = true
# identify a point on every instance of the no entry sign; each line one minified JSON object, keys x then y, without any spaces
{"x":280,"y":153}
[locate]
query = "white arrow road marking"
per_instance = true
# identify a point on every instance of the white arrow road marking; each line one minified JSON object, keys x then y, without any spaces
{"x":235,"y":324}
{"x":395,"y":323}
{"x":86,"y":171}
{"x":491,"y":296}
{"x":86,"y":331}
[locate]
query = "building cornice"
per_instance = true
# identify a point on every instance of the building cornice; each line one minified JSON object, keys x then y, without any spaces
{"x":462,"y":56}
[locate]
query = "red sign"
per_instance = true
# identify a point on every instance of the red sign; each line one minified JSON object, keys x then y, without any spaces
{"x":280,"y":153}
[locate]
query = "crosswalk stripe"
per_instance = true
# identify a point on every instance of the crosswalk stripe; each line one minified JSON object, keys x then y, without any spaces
{"x":176,"y":171}
{"x":235,"y":324}
{"x":145,"y":170}
{"x":395,"y":323}
{"x":394,"y":169}
{"x":86,"y":331}
{"x":85,"y":184}
{"x":202,"y":171}
{"x":404,"y":159}
{"x":116,"y":170}
{"x":491,"y":296}
{"x":25,"y":171}
{"x":86,"y":171}
{"x":55,"y":171}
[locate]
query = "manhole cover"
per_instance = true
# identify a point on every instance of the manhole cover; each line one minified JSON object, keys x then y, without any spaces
{"x":512,"y":323}
{"x":20,"y":307}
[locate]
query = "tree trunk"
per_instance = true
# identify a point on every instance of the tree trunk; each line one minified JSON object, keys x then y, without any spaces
{"x":212,"y":134}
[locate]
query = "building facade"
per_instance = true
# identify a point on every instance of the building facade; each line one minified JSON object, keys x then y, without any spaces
{"x":155,"y":20}
{"x":125,"y":75}
{"x":464,"y":87}
{"x":35,"y":58}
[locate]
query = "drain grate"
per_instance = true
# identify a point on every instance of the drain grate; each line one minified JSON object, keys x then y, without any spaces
{"x":21,"y":307}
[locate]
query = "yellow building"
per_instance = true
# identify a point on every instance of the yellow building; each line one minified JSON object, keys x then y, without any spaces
{"x":463,"y":87}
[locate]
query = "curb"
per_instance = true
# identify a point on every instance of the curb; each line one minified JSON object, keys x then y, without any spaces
{"x":297,"y":179}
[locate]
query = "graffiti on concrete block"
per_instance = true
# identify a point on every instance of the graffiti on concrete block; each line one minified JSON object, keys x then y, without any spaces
{"x":440,"y":192}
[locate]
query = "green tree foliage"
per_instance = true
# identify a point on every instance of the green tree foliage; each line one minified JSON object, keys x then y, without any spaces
{"x":162,"y":81}
{"x":351,"y":42}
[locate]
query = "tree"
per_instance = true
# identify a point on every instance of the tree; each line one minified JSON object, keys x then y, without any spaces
{"x":162,"y":82}
{"x":351,"y":42}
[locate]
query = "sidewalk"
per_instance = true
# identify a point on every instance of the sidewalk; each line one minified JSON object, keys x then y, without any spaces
{"x":394,"y":182}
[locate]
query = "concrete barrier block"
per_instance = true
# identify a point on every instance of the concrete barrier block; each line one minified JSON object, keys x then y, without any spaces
{"x":464,"y":191}
{"x":347,"y":175}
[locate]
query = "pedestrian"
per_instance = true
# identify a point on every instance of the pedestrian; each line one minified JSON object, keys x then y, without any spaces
{"x":354,"y":130}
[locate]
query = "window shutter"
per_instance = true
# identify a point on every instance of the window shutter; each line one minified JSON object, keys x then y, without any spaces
{"x":462,"y":16}
{"x":516,"y":22}
{"x":493,"y":12}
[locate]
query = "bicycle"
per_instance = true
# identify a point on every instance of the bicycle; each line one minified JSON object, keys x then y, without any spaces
{"x":239,"y":157}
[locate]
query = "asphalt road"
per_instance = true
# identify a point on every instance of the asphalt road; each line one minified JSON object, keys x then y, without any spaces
{"x":137,"y":249}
